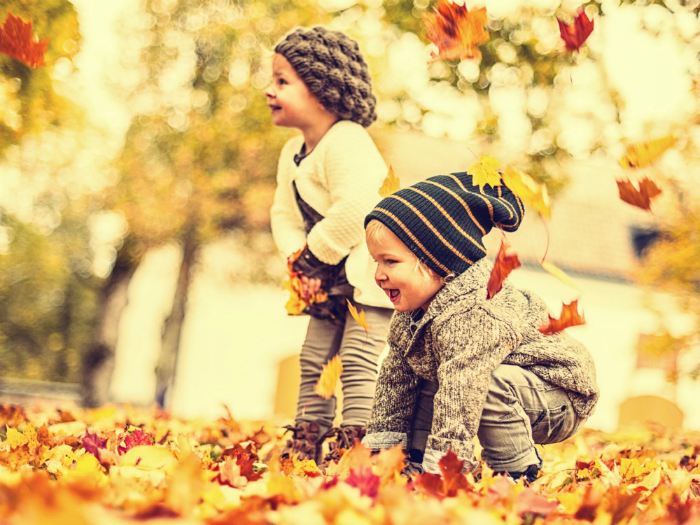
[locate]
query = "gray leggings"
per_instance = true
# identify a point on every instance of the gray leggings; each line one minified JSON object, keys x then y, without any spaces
{"x":520,"y":410}
{"x":359,"y":353}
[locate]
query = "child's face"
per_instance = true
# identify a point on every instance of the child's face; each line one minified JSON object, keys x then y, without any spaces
{"x":289,"y":99}
{"x":398,"y":275}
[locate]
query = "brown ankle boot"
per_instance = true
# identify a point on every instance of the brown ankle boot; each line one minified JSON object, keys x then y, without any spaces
{"x":305,"y":442}
{"x":345,"y":438}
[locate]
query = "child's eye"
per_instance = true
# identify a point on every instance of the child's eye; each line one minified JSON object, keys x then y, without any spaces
{"x":281,"y":81}
{"x":391,"y":261}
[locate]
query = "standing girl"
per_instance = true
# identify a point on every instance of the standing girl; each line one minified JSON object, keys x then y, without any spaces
{"x":327,"y":181}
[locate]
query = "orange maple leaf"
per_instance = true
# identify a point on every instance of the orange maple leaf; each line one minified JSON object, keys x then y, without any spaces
{"x":16,"y":41}
{"x":296,"y":304}
{"x":569,"y":317}
{"x":641,"y":198}
{"x":644,"y":153}
{"x":502,"y":267}
{"x":455,"y":30}
{"x":359,"y":316}
{"x":329,"y":378}
{"x":390,"y":185}
{"x":574,"y":35}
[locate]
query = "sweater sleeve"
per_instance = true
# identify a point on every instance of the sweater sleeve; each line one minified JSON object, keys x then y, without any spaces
{"x":285,"y":218}
{"x":354,"y":170}
{"x":394,"y":403}
{"x":469,"y":346}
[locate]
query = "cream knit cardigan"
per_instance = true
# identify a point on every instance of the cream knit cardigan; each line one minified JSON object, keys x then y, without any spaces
{"x":340,"y":179}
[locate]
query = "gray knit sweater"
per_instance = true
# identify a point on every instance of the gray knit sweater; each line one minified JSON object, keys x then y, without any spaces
{"x":459,"y":341}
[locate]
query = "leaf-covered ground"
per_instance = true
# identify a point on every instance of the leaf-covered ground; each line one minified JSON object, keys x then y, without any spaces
{"x":120,"y":464}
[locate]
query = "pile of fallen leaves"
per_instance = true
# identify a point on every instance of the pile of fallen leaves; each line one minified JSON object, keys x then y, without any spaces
{"x":119,"y":464}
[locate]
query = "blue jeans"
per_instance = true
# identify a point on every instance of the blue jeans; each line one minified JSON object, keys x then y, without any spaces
{"x":520,"y":410}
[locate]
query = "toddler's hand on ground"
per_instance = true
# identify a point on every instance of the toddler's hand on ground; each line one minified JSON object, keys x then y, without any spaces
{"x":309,"y":286}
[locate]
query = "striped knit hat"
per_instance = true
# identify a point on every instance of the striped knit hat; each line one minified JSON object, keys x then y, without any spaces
{"x":442,"y":219}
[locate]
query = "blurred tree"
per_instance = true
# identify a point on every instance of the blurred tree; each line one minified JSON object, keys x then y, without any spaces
{"x":28,"y":101}
{"x":47,"y":298}
{"x":200,"y":157}
{"x":46,"y":282}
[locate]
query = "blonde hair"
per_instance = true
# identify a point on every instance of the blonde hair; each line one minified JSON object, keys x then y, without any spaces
{"x":377,"y":232}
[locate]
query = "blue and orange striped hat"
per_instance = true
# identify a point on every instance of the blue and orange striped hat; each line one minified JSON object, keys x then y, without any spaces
{"x":443,"y":219}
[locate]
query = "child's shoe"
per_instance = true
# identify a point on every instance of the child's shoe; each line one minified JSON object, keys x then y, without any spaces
{"x":345,"y":438}
{"x":305,"y":443}
{"x":530,"y":474}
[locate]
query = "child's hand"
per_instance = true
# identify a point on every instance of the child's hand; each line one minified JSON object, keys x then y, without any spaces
{"x":309,"y":286}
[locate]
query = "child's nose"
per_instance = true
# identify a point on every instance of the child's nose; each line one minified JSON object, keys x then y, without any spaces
{"x":379,"y":275}
{"x":270,"y":92}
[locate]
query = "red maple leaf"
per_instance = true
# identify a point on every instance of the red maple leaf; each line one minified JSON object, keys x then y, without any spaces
{"x":92,"y":443}
{"x":569,"y":317}
{"x":16,"y":41}
{"x":534,"y":504}
{"x":575,"y":35}
{"x":451,"y":468}
{"x":364,"y":479}
{"x":502,"y":267}
{"x":455,"y":30}
{"x":641,"y":198}
{"x":137,"y":438}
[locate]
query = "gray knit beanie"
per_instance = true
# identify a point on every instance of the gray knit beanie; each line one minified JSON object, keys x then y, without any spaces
{"x":332,"y":67}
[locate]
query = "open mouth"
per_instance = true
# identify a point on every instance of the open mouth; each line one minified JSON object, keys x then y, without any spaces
{"x":274,"y":108}
{"x":393,"y":294}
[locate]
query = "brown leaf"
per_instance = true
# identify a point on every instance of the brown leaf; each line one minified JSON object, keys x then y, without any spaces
{"x":16,"y":41}
{"x":641,"y":198}
{"x":569,"y":317}
{"x":455,"y":30}
{"x":502,"y":267}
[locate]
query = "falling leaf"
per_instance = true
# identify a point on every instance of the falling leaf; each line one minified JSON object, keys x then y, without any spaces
{"x":359,"y":316}
{"x":641,"y":198}
{"x":559,"y":274}
{"x":575,"y":35}
{"x":485,"y":172}
{"x":390,"y":185}
{"x":16,"y":41}
{"x":329,"y":378}
{"x":569,"y":317}
{"x":530,"y":192}
{"x":644,"y":153}
{"x":455,"y":30}
{"x":503,"y":265}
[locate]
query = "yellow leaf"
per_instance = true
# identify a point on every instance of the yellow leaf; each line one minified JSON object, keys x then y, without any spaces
{"x":530,"y":192}
{"x":390,"y":185}
{"x":559,"y":274}
{"x":644,"y":153}
{"x":359,"y":316}
{"x":148,"y":457}
{"x":329,"y":378}
{"x":15,"y":438}
{"x":484,"y":172}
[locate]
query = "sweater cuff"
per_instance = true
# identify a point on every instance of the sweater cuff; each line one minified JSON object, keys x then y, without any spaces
{"x":308,"y":264}
{"x":432,"y":457}
{"x":382,"y":440}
